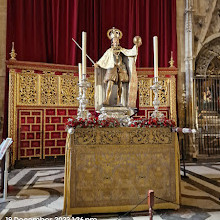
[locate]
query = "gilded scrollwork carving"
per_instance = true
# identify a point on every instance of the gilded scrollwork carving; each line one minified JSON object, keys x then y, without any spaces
{"x":160,"y":136}
{"x":27,"y":94}
{"x":150,"y":136}
{"x":108,"y":136}
{"x":173,"y":98}
{"x":12,"y":114}
{"x":26,"y":71}
{"x":90,"y":92}
{"x":84,"y":136}
{"x":68,"y":90}
{"x":122,"y":136}
{"x":144,"y":92}
{"x":163,"y":93}
{"x":49,"y":87}
{"x":48,"y":72}
{"x":140,"y":136}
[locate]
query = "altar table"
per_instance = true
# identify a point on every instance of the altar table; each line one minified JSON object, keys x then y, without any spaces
{"x":112,"y":169}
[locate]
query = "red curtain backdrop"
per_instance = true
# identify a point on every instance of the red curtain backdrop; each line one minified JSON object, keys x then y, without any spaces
{"x":42,"y":30}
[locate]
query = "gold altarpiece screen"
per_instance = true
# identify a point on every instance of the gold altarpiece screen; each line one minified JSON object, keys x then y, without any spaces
{"x":42,"y":96}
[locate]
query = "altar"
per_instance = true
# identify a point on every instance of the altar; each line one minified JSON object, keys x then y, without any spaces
{"x":111,"y":169}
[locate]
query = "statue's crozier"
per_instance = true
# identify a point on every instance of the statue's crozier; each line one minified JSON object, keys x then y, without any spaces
{"x":115,"y":74}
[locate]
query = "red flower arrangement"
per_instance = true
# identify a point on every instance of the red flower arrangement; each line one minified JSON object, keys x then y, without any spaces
{"x":92,"y":122}
{"x":112,"y":123}
{"x":151,"y":122}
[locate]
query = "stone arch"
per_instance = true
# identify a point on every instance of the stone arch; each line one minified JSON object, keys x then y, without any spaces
{"x":209,"y":52}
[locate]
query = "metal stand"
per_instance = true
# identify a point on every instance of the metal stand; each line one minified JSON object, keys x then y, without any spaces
{"x":5,"y":190}
{"x":2,"y":174}
{"x":150,"y":203}
{"x":184,"y":140}
{"x":82,"y":112}
{"x":183,"y":159}
{"x":156,"y":87}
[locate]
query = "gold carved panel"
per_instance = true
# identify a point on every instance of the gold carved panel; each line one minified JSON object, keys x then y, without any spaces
{"x":49,"y":90}
{"x":69,"y":90}
{"x":90,"y":92}
{"x":163,"y":93}
{"x":173,"y":115}
{"x":12,"y":113}
{"x":119,"y":137}
{"x":145,"y":92}
{"x":48,"y":72}
{"x":27,"y":85}
{"x":27,"y":71}
{"x":146,"y":95}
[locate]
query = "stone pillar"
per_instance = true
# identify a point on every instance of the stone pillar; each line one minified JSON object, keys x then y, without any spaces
{"x":180,"y":5}
{"x":3,"y":19}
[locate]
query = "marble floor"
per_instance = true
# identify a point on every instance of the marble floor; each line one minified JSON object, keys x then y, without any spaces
{"x":38,"y":192}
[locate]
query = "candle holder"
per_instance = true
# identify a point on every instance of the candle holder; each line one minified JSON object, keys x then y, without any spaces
{"x":156,"y":87}
{"x":13,"y":54}
{"x":83,"y":85}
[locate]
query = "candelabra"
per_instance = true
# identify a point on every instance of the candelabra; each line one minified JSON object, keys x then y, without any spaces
{"x":156,"y":87}
{"x":13,"y":54}
{"x":83,"y":85}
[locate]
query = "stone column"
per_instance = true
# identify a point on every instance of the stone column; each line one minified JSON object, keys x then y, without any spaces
{"x":3,"y":19}
{"x":180,"y":6}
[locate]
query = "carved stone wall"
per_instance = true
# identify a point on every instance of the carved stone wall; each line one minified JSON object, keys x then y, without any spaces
{"x":205,"y":43}
{"x":206,"y":33}
{"x":206,"y":22}
{"x":209,"y":51}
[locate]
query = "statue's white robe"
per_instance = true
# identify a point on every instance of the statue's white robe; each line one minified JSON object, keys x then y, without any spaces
{"x":107,"y":60}
{"x":129,"y":94}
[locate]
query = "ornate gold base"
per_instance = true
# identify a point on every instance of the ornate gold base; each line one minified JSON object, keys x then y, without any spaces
{"x":112,"y":169}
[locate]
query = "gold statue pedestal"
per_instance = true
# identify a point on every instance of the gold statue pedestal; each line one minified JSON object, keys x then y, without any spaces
{"x":122,"y":114}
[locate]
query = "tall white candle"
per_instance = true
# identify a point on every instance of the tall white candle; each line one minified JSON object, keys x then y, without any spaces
{"x":80,"y":71}
{"x":80,"y":75}
{"x":155,"y":41}
{"x":83,"y":54}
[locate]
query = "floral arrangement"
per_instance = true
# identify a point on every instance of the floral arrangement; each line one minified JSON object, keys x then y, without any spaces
{"x":112,"y":123}
{"x":92,"y":122}
{"x":151,"y":122}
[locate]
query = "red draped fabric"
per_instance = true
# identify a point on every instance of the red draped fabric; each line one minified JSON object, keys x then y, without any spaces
{"x":42,"y":30}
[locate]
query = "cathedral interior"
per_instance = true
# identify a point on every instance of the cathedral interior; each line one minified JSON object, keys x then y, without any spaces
{"x":56,"y":172}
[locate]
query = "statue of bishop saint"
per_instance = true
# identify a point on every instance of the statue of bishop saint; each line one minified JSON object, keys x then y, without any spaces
{"x":115,"y":74}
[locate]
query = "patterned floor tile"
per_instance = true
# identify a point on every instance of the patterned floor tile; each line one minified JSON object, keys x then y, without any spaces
{"x":38,"y":192}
